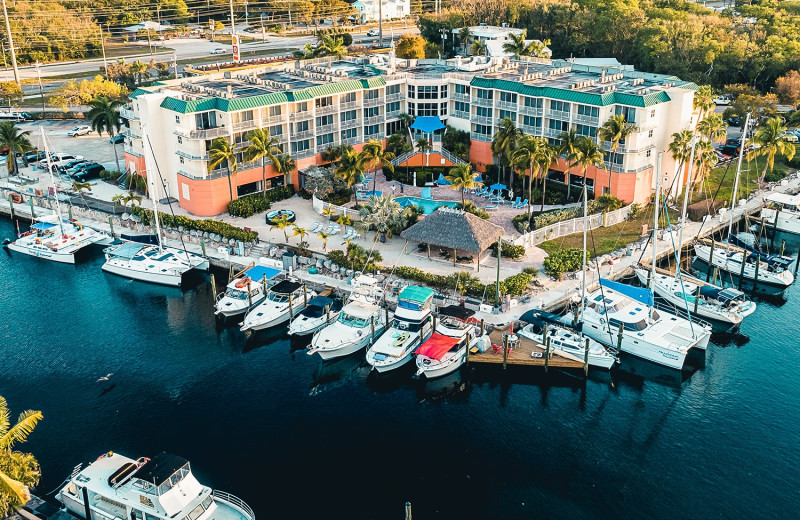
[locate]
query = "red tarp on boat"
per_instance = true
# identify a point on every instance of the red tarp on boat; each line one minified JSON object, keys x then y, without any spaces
{"x":437,"y":346}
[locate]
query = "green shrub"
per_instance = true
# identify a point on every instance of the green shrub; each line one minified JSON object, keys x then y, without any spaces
{"x":531,"y":271}
{"x":223,"y":229}
{"x":515,"y":285}
{"x":509,"y":250}
{"x":470,"y":207}
{"x":356,"y":258}
{"x":260,"y":202}
{"x":775,"y":174}
{"x":608,"y":203}
{"x":564,"y":261}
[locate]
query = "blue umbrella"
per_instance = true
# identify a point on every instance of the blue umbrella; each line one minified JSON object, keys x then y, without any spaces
{"x":497,"y":187}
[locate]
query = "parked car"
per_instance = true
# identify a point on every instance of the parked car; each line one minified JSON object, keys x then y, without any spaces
{"x":79,"y":130}
{"x":78,"y":167}
{"x":218,"y":50}
{"x":90,"y":172}
{"x":734,"y":121}
{"x":722,"y":99}
{"x":34,"y":155}
{"x":373,"y":32}
{"x":59,"y":159}
{"x":72,"y":164}
{"x":119,"y":138}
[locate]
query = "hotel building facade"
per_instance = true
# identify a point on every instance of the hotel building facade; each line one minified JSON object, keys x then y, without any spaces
{"x":311,"y":105}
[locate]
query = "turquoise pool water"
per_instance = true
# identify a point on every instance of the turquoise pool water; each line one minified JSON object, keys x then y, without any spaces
{"x":428,"y":205}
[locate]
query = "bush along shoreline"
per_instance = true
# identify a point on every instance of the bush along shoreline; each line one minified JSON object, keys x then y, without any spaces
{"x":208,"y":225}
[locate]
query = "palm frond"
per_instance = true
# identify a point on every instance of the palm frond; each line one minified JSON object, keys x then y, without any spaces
{"x":14,"y":487}
{"x":19,"y":432}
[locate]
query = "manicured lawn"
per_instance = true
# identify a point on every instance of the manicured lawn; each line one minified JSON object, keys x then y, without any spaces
{"x":726,"y":175}
{"x":604,"y":240}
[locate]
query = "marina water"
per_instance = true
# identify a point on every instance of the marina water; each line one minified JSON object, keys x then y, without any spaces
{"x":296,"y":438}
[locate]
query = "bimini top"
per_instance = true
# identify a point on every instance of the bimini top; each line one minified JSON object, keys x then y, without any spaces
{"x":160,"y":468}
{"x":437,"y":346}
{"x":783,"y":198}
{"x":286,"y":287}
{"x":43,"y":226}
{"x":427,"y":124}
{"x":640,"y":294}
{"x":259,"y":272}
{"x":320,"y":301}
{"x":458,"y":312}
{"x":416,"y":294}
{"x":126,"y":251}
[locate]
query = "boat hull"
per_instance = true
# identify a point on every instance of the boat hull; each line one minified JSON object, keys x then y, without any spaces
{"x":168,"y":279}
{"x":347,"y":349}
{"x":643,"y":349}
{"x":436,"y":368}
{"x":787,"y":221}
{"x":64,"y":258}
{"x":734,"y":267}
{"x":230,"y":311}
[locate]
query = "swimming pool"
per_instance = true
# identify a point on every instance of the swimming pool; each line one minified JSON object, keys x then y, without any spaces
{"x":428,"y":205}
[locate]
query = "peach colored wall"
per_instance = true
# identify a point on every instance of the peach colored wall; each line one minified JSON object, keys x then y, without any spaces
{"x":418,"y":160}
{"x":138,"y":161}
{"x":628,"y":187}
{"x":480,"y":154}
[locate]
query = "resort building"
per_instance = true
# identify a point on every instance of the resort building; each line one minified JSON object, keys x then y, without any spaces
{"x":391,"y":9}
{"x":494,"y":37}
{"x":311,"y":105}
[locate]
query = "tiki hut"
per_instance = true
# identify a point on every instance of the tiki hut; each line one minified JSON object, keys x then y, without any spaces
{"x":452,"y":232}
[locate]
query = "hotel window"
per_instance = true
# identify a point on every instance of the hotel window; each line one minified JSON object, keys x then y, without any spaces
{"x":508,"y":97}
{"x":324,"y":120}
{"x":239,"y":117}
{"x":350,"y":97}
{"x":586,"y":110}
{"x":412,"y":109}
{"x":350,"y":115}
{"x":302,"y":107}
{"x":372,"y":112}
{"x":180,"y":140}
{"x":392,"y":89}
{"x":443,"y":108}
{"x":559,"y":106}
{"x":427,"y":109}
{"x":393,"y":127}
{"x":275,"y":111}
{"x":300,"y":146}
{"x":393,"y":107}
{"x":482,"y":93}
{"x":428,"y":92}
{"x":443,"y":91}
{"x":461,"y":107}
{"x":350,"y":133}
{"x":462,"y":89}
{"x":648,"y":153}
{"x":650,"y":133}
{"x":653,"y":113}
{"x":531,"y":121}
{"x":532,"y":102}
{"x":507,"y":113}
{"x":372,"y":129}
{"x":322,"y":140}
{"x":275,"y":131}
{"x":482,"y":129}
{"x":411,"y":92}
{"x":323,"y":102}
{"x":181,"y":159}
{"x":589,"y":131}
{"x":483,"y":111}
{"x":301,"y":126}
{"x":555,"y":124}
{"x":628,"y":112}
{"x":372,"y":94}
{"x":178,"y":119}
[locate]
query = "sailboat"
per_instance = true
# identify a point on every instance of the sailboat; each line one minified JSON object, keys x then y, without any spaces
{"x":625,"y":316}
{"x":726,"y":307}
{"x":154,"y":264}
{"x":53,"y":237}
{"x":740,"y":262}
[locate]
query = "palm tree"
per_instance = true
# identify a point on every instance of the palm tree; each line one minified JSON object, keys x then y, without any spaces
{"x":464,"y":34}
{"x":567,"y":149}
{"x":423,"y":145}
{"x":504,"y":141}
{"x":285,"y":165}
{"x":713,"y":127}
{"x":515,"y":44}
{"x":375,"y":154}
{"x":18,"y":471}
{"x":703,"y":101}
{"x":16,"y":142}
{"x":615,"y":130}
{"x":587,"y":153}
{"x":282,"y":223}
{"x":139,"y":71}
{"x":104,"y":116}
{"x":705,"y":158}
{"x":222,"y":151}
{"x":771,"y":136}
{"x":307,"y":52}
{"x":131,"y":198}
{"x":462,"y":178}
{"x":330,"y":46}
{"x":545,"y":156}
{"x":525,"y":156}
{"x":351,"y":168}
{"x":478,"y":48}
{"x":262,"y":146}
{"x":383,"y":214}
{"x":681,"y":148}
{"x":324,"y":237}
{"x":81,"y":186}
{"x":334,"y":153}
{"x":301,"y":232}
{"x":406,"y":120}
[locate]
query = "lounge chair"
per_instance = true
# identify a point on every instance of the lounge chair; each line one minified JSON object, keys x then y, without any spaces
{"x":495,"y":206}
{"x":515,"y":203}
{"x":316,"y":227}
{"x":480,"y":191}
{"x":335,"y":230}
{"x":488,"y":194}
{"x":523,"y":204}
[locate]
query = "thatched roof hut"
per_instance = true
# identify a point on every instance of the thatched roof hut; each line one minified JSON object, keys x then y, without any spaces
{"x":454,"y":230}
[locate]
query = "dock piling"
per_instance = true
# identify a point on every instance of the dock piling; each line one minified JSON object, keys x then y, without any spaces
{"x":33,"y":212}
{"x":230,"y":274}
{"x":371,"y":325}
{"x":546,"y":354}
{"x":408,"y":510}
{"x":69,"y":212}
{"x":214,"y":286}
{"x":715,"y":277}
{"x":755,"y":278}
{"x":250,"y":297}
{"x":386,"y":316}
{"x":483,"y":326}
{"x":291,"y":309}
{"x":619,"y":337}
{"x":505,"y":352}
{"x":775,"y":226}
{"x":466,"y":356}
{"x":111,"y":225}
{"x":783,"y":246}
{"x":203,"y":246}
{"x":421,"y":335}
{"x":305,"y":294}
{"x":586,"y":359}
{"x":710,"y":260}
{"x":741,"y":271}
{"x":11,"y":204}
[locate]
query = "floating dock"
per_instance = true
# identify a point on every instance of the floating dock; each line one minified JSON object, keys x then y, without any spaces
{"x":522,"y":354}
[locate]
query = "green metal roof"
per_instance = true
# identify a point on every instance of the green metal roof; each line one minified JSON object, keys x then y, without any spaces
{"x":416,"y":294}
{"x":273,"y":98}
{"x":574,"y":96}
{"x":138,"y":92}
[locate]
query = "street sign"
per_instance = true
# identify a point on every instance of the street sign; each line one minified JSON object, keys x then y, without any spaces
{"x":235,"y":45}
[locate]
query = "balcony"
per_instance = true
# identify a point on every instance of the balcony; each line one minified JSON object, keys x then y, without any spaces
{"x":132,"y":151}
{"x":459,"y":114}
{"x":482,"y":102}
{"x":127,"y":113}
{"x":558,"y":114}
{"x":350,"y":105}
{"x":186,"y":155}
{"x":507,"y":105}
{"x":587,"y":120}
{"x":531,"y":111}
{"x":483,"y":120}
{"x":352,"y":123}
{"x":300,"y":116}
{"x":553,"y":132}
{"x":302,"y":154}
{"x":206,"y":133}
{"x":376,"y":135}
{"x":460,"y":96}
{"x":351,"y":140}
{"x":305,"y":134}
{"x":244,"y":125}
{"x":216,"y":174}
{"x":374,"y":102}
{"x":532,"y":130}
{"x":374,"y":120}
{"x":131,"y":134}
{"x":475,"y":136}
{"x":394,"y":97}
{"x":394,"y":114}
{"x":327,"y":109}
{"x":326,"y":129}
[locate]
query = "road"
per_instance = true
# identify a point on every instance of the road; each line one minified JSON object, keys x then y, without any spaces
{"x":186,"y":49}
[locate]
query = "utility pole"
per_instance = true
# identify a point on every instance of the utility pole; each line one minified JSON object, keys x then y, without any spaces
{"x":246,"y":15}
{"x":11,"y":45}
{"x":290,"y":12}
{"x":233,"y":30}
{"x":158,"y":13}
{"x":41,"y":90}
{"x":380,"y":23}
{"x":103,"y":46}
{"x":149,"y":45}
{"x":175,"y":64}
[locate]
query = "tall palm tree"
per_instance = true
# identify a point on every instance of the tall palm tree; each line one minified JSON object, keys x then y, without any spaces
{"x":504,"y":141}
{"x":324,"y":237}
{"x":282,"y":223}
{"x":375,"y":155}
{"x":222,"y":151}
{"x":705,"y":158}
{"x":464,"y":34}
{"x":515,"y":44}
{"x":703,"y":101}
{"x":587,"y":153}
{"x":713,"y":127}
{"x":18,"y":471}
{"x":526,"y":156}
{"x":129,"y":198}
{"x":771,"y":136}
{"x":422,"y":144}
{"x":462,"y":178}
{"x":262,"y":146}
{"x":308,"y":51}
{"x":139,"y":71}
{"x":382,"y":214}
{"x":330,"y":46}
{"x":334,"y":153}
{"x":567,"y":149}
{"x":351,"y":168}
{"x":16,"y":141}
{"x":545,"y":156}
{"x":681,"y":149}
{"x":478,"y":48}
{"x":300,"y":231}
{"x":104,"y":116}
{"x":406,"y":120}
{"x":615,"y":130}
{"x":285,"y":164}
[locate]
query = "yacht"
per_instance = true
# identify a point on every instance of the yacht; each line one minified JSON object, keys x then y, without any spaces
{"x":782,"y":212}
{"x":245,"y":290}
{"x":727,"y":307}
{"x":410,"y":327}
{"x":318,"y":313}
{"x":446,"y":350}
{"x":729,"y":259}
{"x":283,"y":302}
{"x":54,"y":238}
{"x":153,"y":264}
{"x":564,"y":341}
{"x":115,"y":487}
{"x":618,"y":314}
{"x":352,"y":330}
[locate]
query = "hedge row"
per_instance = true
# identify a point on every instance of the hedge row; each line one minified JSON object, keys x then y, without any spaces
{"x":208,"y":225}
{"x":564,"y":261}
{"x":467,"y":284}
{"x":249,"y":205}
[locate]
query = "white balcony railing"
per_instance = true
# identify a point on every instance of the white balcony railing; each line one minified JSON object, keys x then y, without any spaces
{"x":127,"y":113}
{"x":459,"y":114}
{"x":475,"y":136}
{"x":531,"y":111}
{"x":482,"y":102}
{"x":394,"y":97}
{"x":325,"y":129}
{"x":191,"y":157}
{"x":507,"y":105}
{"x":558,"y":114}
{"x":352,"y":123}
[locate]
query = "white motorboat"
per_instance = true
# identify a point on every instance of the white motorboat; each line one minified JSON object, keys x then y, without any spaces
{"x":564,"y":341}
{"x":162,"y":488}
{"x":57,"y":239}
{"x":727,"y":307}
{"x":782,"y":212}
{"x":410,"y":327}
{"x":245,"y":290}
{"x":284,"y":301}
{"x":153,"y":264}
{"x":351,"y":332}
{"x":620,"y":315}
{"x":446,"y":350}
{"x":729,"y":260}
{"x":319,"y":312}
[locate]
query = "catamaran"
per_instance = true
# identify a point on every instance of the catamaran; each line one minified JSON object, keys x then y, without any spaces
{"x":319,"y":312}
{"x":154,"y":264}
{"x":283,"y":302}
{"x":116,"y":487}
{"x":410,"y":327}
{"x":246,"y":290}
{"x":53,"y":237}
{"x":782,"y":212}
{"x":565,"y":341}
{"x":446,"y":350}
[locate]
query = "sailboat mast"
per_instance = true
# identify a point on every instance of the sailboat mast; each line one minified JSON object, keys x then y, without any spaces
{"x":655,"y":224}
{"x":585,"y":226}
{"x":151,"y":181}
{"x":738,"y":173}
{"x":52,"y":179}
{"x":685,"y":205}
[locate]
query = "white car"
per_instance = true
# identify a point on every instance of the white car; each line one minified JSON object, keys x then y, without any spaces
{"x":59,"y":159}
{"x":218,"y":50}
{"x":373,"y":32}
{"x":722,"y":100}
{"x":789,"y":137}
{"x":80,"y":130}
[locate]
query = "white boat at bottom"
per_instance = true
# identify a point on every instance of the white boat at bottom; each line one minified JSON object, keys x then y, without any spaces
{"x":351,"y":332}
{"x":446,"y":350}
{"x":161,"y":488}
{"x":725,"y":306}
{"x":153,"y":264}
{"x":731,"y":261}
{"x":319,"y":312}
{"x":565,"y":342}
{"x":284,"y":301}
{"x":57,"y":241}
{"x":782,"y":212}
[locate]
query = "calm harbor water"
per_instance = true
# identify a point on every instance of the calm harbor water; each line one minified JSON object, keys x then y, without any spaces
{"x":299,"y":439}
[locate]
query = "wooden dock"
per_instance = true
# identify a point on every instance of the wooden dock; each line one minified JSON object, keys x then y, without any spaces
{"x":522,"y":354}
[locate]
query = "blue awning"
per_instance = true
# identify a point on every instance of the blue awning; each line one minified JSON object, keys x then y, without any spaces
{"x":442,"y":181}
{"x":127,"y":250}
{"x":427,"y":124}
{"x":43,"y":225}
{"x":258,"y":272}
{"x":640,"y":294}
{"x":498,"y":186}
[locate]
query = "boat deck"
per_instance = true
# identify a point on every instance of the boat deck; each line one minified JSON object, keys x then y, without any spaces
{"x":521,"y":355}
